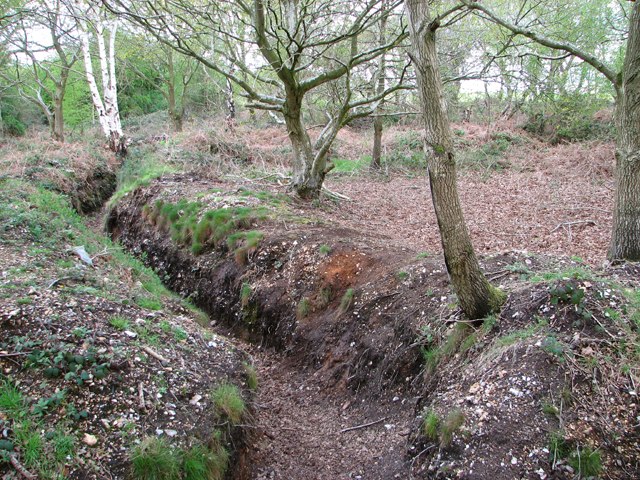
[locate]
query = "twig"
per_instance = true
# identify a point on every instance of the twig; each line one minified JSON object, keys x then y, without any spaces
{"x":156,"y":355}
{"x":365,"y":425}
{"x":58,"y":280}
{"x":143,"y":406}
{"x":20,"y":468}
{"x":14,"y":354}
{"x":577,"y":222}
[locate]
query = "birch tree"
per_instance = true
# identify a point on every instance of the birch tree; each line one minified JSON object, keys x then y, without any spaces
{"x":625,"y":238}
{"x":94,"y":24}
{"x":476,"y":295}
{"x":299,"y":46}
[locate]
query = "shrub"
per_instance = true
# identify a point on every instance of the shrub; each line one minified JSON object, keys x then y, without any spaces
{"x":430,"y":425}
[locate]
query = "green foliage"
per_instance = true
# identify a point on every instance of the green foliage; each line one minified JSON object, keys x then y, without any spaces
{"x":303,"y":309}
{"x":586,"y":462}
{"x":431,"y":425}
{"x":154,"y":459}
{"x":439,"y":430}
{"x":149,"y":303}
{"x":202,"y":463}
{"x":119,"y":323}
{"x":324,"y":250}
{"x":10,"y":119}
{"x":216,"y":228}
{"x":343,"y":165}
{"x":228,"y":402}
{"x":347,"y":300}
{"x":408,"y":151}
{"x":251,"y":376}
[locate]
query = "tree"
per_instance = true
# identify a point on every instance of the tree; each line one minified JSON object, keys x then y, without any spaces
{"x":379,"y":85}
{"x":304,"y":45}
{"x":44,"y":80}
{"x":94,"y":22}
{"x":476,"y":295}
{"x":161,"y":66}
{"x":625,"y":239}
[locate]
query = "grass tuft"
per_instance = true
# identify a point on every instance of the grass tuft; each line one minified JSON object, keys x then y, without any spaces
{"x":347,"y":300}
{"x":154,"y":459}
{"x":228,"y":402}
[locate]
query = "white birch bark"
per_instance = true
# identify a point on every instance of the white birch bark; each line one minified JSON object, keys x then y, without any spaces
{"x":106,"y":105}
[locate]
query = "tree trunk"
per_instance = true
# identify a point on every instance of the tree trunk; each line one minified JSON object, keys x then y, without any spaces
{"x":58,"y":111}
{"x":476,"y":295}
{"x":308,"y":171}
{"x":625,"y":241}
{"x":376,"y":154}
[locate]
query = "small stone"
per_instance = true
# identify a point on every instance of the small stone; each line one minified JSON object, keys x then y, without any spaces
{"x":130,"y":334}
{"x":89,"y":439}
{"x":171,"y":433}
{"x":514,"y":461}
{"x":196,"y":398}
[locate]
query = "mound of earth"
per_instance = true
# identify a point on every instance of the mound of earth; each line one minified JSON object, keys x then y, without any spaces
{"x":546,"y":389}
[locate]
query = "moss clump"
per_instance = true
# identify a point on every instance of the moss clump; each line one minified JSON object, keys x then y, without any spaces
{"x":245,"y":294}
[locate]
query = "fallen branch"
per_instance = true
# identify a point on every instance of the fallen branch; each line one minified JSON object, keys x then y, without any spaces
{"x":336,"y":195}
{"x":156,"y":355}
{"x":365,"y":425}
{"x":20,"y":468}
{"x":577,"y":222}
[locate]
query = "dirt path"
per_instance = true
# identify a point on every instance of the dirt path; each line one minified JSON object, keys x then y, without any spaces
{"x":300,"y":427}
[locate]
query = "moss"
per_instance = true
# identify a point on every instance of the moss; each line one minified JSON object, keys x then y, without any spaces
{"x":496,"y":299}
{"x":303,"y":309}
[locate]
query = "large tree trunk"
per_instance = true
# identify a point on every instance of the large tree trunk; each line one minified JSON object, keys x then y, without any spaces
{"x":625,"y":241}
{"x":476,"y":295}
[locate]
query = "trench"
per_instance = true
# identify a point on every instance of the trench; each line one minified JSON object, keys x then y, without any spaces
{"x":335,"y":400}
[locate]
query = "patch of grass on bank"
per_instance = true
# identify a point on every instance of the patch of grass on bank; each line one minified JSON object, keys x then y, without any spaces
{"x":139,"y":168}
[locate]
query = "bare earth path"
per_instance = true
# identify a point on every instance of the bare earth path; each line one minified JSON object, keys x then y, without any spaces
{"x":300,"y":428}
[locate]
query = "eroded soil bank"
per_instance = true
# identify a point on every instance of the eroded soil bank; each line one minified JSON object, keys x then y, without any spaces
{"x":351,"y":328}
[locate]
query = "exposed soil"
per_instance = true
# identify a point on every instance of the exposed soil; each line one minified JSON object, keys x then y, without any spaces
{"x":342,"y":367}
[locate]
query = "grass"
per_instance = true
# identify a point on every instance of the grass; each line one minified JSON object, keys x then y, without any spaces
{"x":149,"y":303}
{"x":343,"y":165}
{"x":324,"y":250}
{"x":154,"y":459}
{"x":586,"y":462}
{"x":442,"y":431}
{"x":139,"y":169}
{"x":119,"y":323}
{"x":347,"y":300}
{"x":245,"y":294}
{"x":523,"y":333}
{"x":228,"y":402}
{"x":200,"y":463}
{"x":11,"y":401}
{"x":451,"y":424}
{"x":251,"y":376}
{"x":303,"y":309}
{"x":214,"y":228}
{"x":430,"y":425}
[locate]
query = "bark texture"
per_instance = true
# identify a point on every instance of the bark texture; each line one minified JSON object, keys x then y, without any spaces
{"x":625,"y":240}
{"x":476,"y":295}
